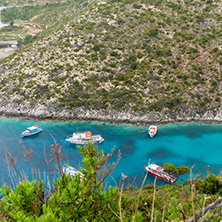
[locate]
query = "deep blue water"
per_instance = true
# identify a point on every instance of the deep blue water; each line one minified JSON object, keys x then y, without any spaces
{"x":191,"y":144}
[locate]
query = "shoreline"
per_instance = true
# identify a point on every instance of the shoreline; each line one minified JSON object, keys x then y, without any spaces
{"x":40,"y":112}
{"x":108,"y":122}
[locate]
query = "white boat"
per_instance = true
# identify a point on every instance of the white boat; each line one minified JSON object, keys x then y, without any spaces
{"x":152,"y":131}
{"x":71,"y":171}
{"x":31,"y":131}
{"x":84,"y":138}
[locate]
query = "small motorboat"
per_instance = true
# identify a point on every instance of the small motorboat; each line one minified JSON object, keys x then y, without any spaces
{"x":71,"y":171}
{"x":84,"y":138}
{"x":32,"y":130}
{"x":152,"y":131}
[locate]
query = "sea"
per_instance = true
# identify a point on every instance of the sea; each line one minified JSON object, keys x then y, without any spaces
{"x":196,"y":145}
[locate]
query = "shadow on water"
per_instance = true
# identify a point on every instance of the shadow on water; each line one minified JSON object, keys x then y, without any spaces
{"x":159,"y":152}
{"x":192,"y":135}
{"x":127,"y":147}
{"x":162,"y":151}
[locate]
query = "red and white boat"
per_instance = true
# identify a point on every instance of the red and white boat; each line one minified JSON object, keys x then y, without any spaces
{"x":152,"y":131}
{"x":160,"y":173}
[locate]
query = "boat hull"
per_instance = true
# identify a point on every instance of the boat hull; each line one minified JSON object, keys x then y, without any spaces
{"x":83,"y":142}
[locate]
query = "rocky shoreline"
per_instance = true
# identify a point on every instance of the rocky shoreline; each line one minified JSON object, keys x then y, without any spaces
{"x":25,"y":110}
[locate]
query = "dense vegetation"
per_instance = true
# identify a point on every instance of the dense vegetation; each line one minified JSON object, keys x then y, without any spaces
{"x":154,"y":55}
{"x":36,"y":17}
{"x":25,"y":2}
{"x":71,"y":199}
{"x":176,"y":170}
{"x":25,"y":13}
{"x":43,"y":15}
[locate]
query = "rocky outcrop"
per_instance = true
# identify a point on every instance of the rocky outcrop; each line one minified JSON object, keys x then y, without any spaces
{"x":42,"y":112}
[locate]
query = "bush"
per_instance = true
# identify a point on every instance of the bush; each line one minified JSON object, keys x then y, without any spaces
{"x":137,"y":6}
{"x":210,"y":185}
{"x":153,"y":32}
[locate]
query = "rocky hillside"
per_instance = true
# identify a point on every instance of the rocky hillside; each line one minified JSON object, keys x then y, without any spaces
{"x":25,"y":2}
{"x":132,"y":56}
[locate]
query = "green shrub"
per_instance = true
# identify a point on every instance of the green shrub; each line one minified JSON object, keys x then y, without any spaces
{"x":137,"y":6}
{"x":153,"y":32}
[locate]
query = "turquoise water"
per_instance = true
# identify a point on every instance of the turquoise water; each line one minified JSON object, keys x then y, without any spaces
{"x":193,"y":144}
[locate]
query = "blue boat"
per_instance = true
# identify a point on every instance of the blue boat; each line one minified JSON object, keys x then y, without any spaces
{"x":32,"y":130}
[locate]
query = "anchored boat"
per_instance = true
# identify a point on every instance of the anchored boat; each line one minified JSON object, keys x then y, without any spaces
{"x":160,"y":173}
{"x":71,"y":171}
{"x":84,"y":138}
{"x":152,"y":131}
{"x":32,"y":130}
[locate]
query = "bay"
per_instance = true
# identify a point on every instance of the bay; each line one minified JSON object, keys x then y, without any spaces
{"x":196,"y":145}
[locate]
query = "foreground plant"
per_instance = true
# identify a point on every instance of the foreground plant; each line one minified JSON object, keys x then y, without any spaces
{"x":74,"y":199}
{"x":69,"y":199}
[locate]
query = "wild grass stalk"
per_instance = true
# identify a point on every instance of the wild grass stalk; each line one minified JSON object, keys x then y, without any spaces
{"x":120,"y":197}
{"x":163,"y":213}
{"x":154,"y":195}
{"x":138,"y":199}
{"x":192,"y":193}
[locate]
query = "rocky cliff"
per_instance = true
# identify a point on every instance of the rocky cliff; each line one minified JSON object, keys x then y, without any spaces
{"x":55,"y":113}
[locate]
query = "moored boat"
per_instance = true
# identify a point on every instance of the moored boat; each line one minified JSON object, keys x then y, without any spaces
{"x":84,"y":138}
{"x":71,"y":171}
{"x":152,"y":131}
{"x":160,"y":173}
{"x":32,"y":130}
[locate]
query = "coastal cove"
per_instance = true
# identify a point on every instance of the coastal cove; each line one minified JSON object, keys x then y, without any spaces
{"x":190,"y":144}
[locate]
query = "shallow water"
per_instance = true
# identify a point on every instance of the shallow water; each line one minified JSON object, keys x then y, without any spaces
{"x":191,"y":144}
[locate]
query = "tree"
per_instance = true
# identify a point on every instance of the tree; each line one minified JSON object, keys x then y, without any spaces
{"x":12,"y":23}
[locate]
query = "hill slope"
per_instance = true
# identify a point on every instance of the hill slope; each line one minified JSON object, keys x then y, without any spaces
{"x":132,"y":56}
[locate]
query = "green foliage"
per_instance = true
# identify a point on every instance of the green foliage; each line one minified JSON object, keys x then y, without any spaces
{"x":25,"y":202}
{"x":96,"y":47}
{"x":26,"y":40}
{"x":114,"y":53}
{"x":137,"y":6}
{"x":170,"y":167}
{"x":182,"y":169}
{"x":177,"y":170}
{"x":153,"y":32}
{"x":210,"y":185}
{"x":24,"y":13}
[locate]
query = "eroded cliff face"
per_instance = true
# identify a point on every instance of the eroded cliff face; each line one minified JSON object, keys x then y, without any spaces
{"x":32,"y":110}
